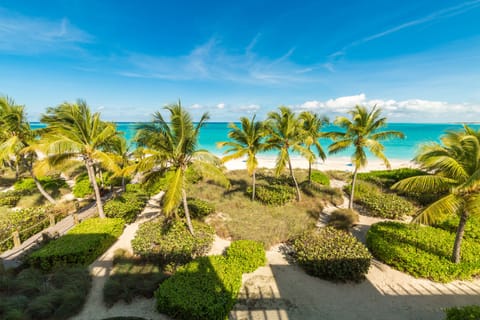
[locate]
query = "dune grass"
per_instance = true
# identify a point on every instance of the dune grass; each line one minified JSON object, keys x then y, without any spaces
{"x":240,"y":218}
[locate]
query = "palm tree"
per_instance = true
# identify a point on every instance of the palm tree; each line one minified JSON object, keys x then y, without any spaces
{"x":172,"y":149}
{"x":361,"y":132}
{"x":312,"y":126}
{"x":248,"y":140}
{"x":17,"y":141}
{"x":454,"y":171}
{"x":73,"y":132}
{"x":121,"y":154}
{"x":285,"y":133}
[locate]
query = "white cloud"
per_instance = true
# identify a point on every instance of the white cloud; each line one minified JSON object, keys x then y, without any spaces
{"x":251,"y":108}
{"x":221,"y":106}
{"x":26,"y":35}
{"x":196,"y":106}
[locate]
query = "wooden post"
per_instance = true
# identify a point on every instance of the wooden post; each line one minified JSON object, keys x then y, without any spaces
{"x":75,"y":218}
{"x":52,"y":220}
{"x":16,"y":239}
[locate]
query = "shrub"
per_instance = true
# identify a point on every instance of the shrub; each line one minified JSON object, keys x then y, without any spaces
{"x":463,"y":313}
{"x":248,"y":255}
{"x":328,"y":194}
{"x":472,"y":227}
{"x":59,"y":295}
{"x":10,"y":198}
{"x":131,"y":278}
{"x":320,"y":177}
{"x":386,"y":178}
{"x":80,"y":246}
{"x":422,"y":251}
{"x":82,"y":188}
{"x":127,"y":206}
{"x":206,"y":288}
{"x":343,"y":219}
{"x":170,"y":242}
{"x":332,"y":254}
{"x":273,"y":195}
{"x":198,"y":208}
{"x":48,"y":183}
{"x":381,"y":204}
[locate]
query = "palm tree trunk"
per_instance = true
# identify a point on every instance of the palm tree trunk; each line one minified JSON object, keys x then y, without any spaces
{"x":93,"y":181}
{"x":352,"y":192}
{"x":187,"y":213}
{"x":309,"y":172}
{"x":293,"y":177}
{"x":253,"y":186}
{"x":459,"y":237}
{"x":124,"y":187}
{"x":41,"y":189}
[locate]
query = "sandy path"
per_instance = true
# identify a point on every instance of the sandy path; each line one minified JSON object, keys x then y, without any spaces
{"x":102,"y":267}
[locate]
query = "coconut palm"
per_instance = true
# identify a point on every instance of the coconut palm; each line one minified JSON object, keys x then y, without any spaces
{"x":312,"y":126}
{"x":285,"y":134}
{"x":362,"y":132}
{"x":171,"y":150}
{"x":454,"y":171}
{"x":247,"y":140}
{"x":17,"y":141}
{"x":121,"y":154}
{"x":73,"y":132}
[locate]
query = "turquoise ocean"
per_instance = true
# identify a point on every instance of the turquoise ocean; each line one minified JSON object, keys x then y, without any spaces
{"x":415,"y":135}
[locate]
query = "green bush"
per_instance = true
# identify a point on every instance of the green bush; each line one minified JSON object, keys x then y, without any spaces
{"x":472,"y":227}
{"x":463,"y":313}
{"x":320,"y":177}
{"x":381,"y":204}
{"x":34,"y":295}
{"x":273,"y":195}
{"x":48,"y":183}
{"x":386,"y":178}
{"x":206,"y":288}
{"x":170,"y":242}
{"x":80,"y":246}
{"x":328,"y":194}
{"x":422,"y":251}
{"x":332,"y":254}
{"x":198,"y":208}
{"x":127,"y":206}
{"x":248,"y":255}
{"x":82,"y":188}
{"x":343,"y":219}
{"x":10,"y":198}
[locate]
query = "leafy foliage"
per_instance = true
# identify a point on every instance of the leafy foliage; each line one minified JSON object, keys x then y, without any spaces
{"x":422,"y":251}
{"x":33,"y":295}
{"x":463,"y":313}
{"x":126,"y":206}
{"x":343,"y":219}
{"x":381,"y":204}
{"x":386,"y":178}
{"x":82,"y":188}
{"x":169,"y":242}
{"x":198,"y":208}
{"x":248,"y":255}
{"x":48,"y":183}
{"x":80,"y":246}
{"x":10,"y":198}
{"x":472,"y":227}
{"x":332,"y":254}
{"x":273,"y":195}
{"x":320,"y":177}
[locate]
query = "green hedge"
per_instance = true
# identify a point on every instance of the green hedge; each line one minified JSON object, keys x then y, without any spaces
{"x":273,"y":195}
{"x":126,"y":206}
{"x":386,"y":178}
{"x":10,"y":198}
{"x":332,"y":254}
{"x":472,"y":227}
{"x":48,"y":183}
{"x":423,"y":251}
{"x":198,"y":208}
{"x":320,"y":177}
{"x":343,"y":219}
{"x":80,"y":246}
{"x":82,"y":188}
{"x":381,"y":204}
{"x":463,"y":313}
{"x":207,"y":287}
{"x":33,"y":295}
{"x":248,"y":255}
{"x":170,"y":242}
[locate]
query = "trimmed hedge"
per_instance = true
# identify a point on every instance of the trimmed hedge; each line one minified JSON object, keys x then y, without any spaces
{"x":332,"y":254}
{"x":320,"y":177}
{"x":80,"y":246}
{"x":472,"y":227}
{"x":273,"y":195}
{"x":248,"y":255}
{"x":170,"y":242}
{"x":423,"y":251}
{"x":207,"y":288}
{"x":198,"y":208}
{"x":343,"y":219}
{"x":126,"y":206}
{"x":381,"y":204}
{"x":463,"y":313}
{"x":82,"y":188}
{"x":34,"y":295}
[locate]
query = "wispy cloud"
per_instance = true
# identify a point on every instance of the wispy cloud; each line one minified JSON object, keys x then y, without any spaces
{"x":26,"y":35}
{"x":437,"y":15}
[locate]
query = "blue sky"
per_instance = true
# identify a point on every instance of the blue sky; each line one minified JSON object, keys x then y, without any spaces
{"x":419,"y":60}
